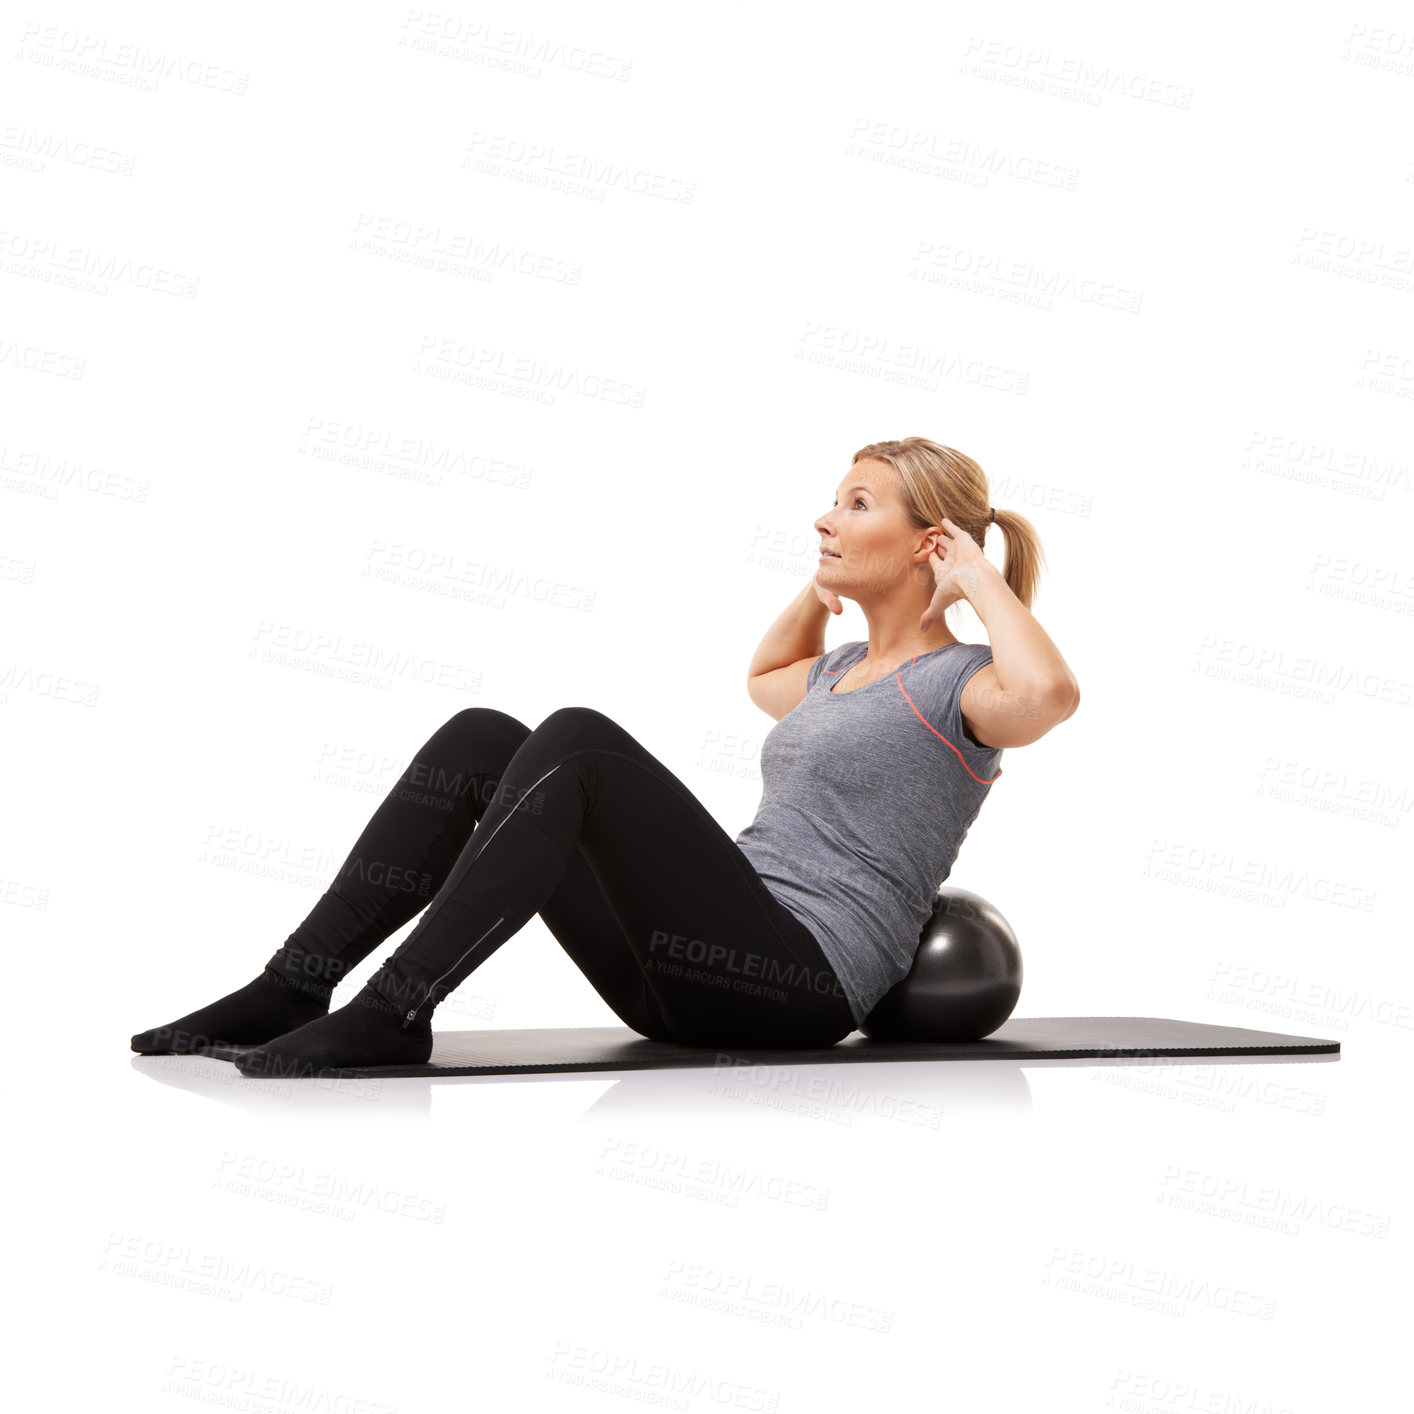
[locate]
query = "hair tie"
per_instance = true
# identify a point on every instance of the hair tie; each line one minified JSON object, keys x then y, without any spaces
{"x":993,"y":514}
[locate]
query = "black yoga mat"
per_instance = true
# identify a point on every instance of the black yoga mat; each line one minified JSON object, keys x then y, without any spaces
{"x":1026,"y":1038}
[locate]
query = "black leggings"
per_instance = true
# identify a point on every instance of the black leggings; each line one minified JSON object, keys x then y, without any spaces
{"x":653,"y":901}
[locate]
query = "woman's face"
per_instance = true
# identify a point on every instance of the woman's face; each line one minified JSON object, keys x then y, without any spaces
{"x":874,"y":543}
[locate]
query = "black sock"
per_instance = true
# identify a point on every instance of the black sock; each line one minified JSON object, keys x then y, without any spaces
{"x":261,"y":1010}
{"x":369,"y":1031}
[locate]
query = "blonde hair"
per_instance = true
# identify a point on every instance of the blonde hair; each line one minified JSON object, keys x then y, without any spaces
{"x":939,"y":481}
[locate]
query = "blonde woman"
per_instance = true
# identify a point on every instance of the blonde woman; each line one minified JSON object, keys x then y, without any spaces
{"x":881,"y":757}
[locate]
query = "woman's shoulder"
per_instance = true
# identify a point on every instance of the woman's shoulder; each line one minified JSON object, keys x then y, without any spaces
{"x":960,"y":655}
{"x":942,"y":663}
{"x":938,"y":678}
{"x":834,"y":661}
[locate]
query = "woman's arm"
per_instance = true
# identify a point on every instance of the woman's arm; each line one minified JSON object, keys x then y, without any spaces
{"x":1028,"y":687}
{"x":775,"y":679}
{"x":798,"y":633}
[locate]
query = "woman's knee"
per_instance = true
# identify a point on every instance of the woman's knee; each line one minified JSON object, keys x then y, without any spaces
{"x":485,"y":719}
{"x":473,"y":745}
{"x":569,"y":729}
{"x":484,"y":726}
{"x":580,"y":720}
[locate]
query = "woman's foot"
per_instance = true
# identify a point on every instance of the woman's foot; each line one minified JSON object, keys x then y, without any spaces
{"x":369,"y":1031}
{"x":261,"y":1010}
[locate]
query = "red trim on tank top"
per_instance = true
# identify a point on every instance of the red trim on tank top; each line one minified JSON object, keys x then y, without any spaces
{"x":940,"y":736}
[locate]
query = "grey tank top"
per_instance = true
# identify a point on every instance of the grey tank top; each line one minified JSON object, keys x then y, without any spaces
{"x":866,"y":798}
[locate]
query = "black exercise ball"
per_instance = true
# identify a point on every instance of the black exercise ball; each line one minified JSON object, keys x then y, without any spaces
{"x":965,"y":979}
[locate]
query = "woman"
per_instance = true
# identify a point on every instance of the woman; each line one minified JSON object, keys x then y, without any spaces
{"x":881,"y":757}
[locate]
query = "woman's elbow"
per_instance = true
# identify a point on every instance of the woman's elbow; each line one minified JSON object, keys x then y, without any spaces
{"x":1059,"y":701}
{"x":1071,"y":698}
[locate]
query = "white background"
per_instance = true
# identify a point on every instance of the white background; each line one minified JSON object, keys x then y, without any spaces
{"x":674,"y":267}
